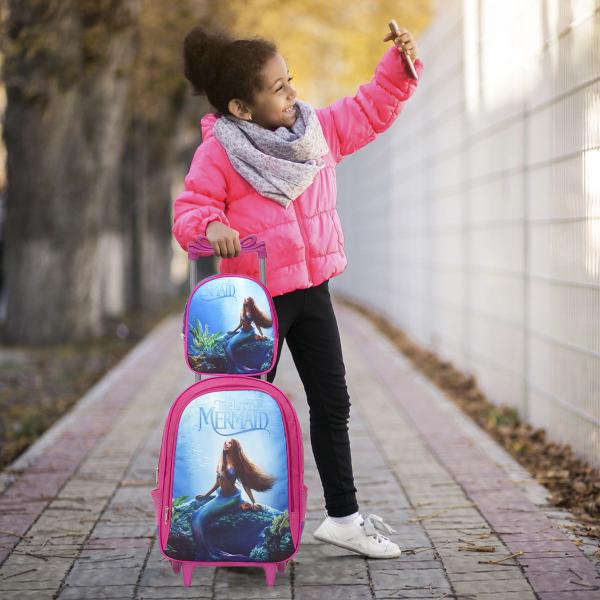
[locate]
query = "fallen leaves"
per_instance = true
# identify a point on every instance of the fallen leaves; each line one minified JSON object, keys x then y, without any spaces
{"x":500,"y":560}
{"x":573,"y":483}
{"x":46,"y":381}
{"x":470,"y":546}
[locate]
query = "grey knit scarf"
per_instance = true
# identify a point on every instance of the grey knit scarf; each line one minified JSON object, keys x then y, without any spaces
{"x":278,"y":164}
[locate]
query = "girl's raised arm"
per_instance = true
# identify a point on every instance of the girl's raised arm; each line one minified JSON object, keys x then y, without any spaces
{"x":353,"y":121}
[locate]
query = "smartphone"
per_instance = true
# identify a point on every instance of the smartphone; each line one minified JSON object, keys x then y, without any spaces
{"x":394,"y":29}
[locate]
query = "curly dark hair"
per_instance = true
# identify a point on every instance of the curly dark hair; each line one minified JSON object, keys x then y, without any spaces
{"x":223,"y":68}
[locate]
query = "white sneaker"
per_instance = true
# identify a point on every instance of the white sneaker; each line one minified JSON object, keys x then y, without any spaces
{"x":360,"y":536}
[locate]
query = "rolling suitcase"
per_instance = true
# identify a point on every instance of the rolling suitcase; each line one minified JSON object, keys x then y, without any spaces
{"x":230,"y":428}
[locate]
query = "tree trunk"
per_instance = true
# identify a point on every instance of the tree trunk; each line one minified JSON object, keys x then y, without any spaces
{"x":67,"y":89}
{"x":149,"y":165}
{"x":164,"y":131}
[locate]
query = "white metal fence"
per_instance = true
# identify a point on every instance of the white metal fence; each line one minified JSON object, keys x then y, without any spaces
{"x":474,"y":221}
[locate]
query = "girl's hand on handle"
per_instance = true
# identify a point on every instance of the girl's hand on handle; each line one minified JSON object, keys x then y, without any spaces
{"x":224,"y":240}
{"x":404,"y":40}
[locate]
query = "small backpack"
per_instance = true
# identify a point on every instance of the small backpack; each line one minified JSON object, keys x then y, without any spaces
{"x":230,"y":477}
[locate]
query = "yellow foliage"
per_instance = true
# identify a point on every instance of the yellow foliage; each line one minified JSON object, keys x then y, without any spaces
{"x":330,"y":47}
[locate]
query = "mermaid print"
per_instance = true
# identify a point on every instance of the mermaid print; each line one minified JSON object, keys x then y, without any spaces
{"x":213,"y":344}
{"x":230,"y":488}
{"x":233,"y":464}
{"x":249,"y":313}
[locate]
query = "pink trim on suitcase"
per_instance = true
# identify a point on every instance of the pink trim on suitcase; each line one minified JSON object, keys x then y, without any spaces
{"x":297,"y":490}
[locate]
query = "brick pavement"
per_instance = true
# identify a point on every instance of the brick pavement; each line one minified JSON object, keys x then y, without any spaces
{"x":76,"y":518}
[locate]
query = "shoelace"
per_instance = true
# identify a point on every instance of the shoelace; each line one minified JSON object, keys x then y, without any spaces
{"x":372,"y":523}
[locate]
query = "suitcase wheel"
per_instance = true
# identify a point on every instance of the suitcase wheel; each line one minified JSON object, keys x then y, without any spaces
{"x":269,"y":574}
{"x":187,"y":569}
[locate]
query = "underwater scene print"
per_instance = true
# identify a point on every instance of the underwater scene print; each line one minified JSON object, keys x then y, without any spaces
{"x":230,"y":480}
{"x":230,"y":327}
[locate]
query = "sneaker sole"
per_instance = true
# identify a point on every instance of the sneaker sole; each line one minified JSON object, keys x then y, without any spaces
{"x":347,"y":547}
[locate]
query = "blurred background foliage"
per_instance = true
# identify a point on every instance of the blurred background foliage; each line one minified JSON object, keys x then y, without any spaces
{"x":330,"y":47}
{"x":98,"y":129}
{"x":99,"y":85}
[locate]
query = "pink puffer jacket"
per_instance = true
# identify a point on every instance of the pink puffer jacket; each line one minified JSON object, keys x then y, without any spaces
{"x":304,"y":242}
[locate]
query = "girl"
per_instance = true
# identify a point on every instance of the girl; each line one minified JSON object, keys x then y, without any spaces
{"x":266,"y":165}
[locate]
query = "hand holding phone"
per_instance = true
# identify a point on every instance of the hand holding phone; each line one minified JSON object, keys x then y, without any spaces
{"x":395,"y":33}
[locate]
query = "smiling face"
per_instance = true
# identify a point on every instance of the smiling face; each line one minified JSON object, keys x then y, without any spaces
{"x":270,"y":104}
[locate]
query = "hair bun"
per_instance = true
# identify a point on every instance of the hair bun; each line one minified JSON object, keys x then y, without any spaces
{"x":202,"y":52}
{"x":222,"y":68}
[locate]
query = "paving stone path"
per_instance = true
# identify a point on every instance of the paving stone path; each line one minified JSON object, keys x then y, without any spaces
{"x":76,"y":518}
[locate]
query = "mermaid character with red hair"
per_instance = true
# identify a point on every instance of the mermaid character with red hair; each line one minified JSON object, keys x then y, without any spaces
{"x":233,"y":464}
{"x":249,"y":313}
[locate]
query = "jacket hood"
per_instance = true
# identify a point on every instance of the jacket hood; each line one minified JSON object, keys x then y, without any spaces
{"x":207,"y":122}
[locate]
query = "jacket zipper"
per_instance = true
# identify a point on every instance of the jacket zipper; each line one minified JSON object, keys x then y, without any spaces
{"x":304,"y":238}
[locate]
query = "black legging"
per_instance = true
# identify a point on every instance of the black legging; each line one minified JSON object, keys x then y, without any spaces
{"x":306,"y":320}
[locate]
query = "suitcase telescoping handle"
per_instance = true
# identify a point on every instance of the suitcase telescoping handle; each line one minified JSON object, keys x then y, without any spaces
{"x":201,"y":246}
